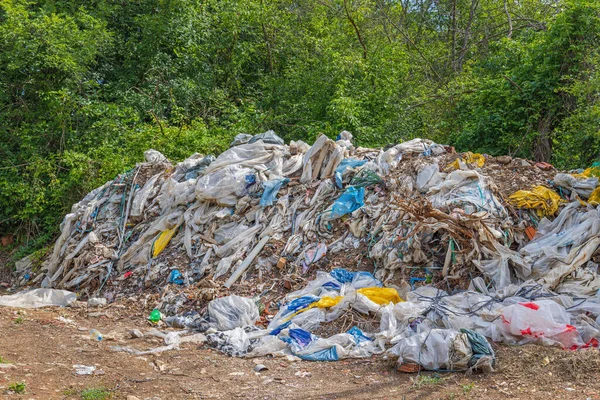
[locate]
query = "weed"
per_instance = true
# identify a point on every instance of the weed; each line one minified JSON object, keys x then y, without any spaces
{"x":17,"y":387}
{"x":468,"y":387}
{"x":18,"y":320}
{"x":3,"y":360}
{"x":426,"y":380}
{"x":69,"y":391}
{"x":95,"y":394}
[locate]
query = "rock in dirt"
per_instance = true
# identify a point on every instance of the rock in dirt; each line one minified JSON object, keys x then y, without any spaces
{"x":96,"y":302}
{"x":136,"y":333}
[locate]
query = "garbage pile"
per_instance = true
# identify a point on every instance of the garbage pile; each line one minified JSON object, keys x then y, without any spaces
{"x":458,"y":247}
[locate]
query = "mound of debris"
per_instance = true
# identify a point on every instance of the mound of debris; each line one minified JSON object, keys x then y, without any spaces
{"x":418,"y":220}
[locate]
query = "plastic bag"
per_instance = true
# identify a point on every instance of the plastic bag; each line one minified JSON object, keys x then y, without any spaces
{"x":435,"y":349}
{"x":541,"y":320}
{"x":162,"y":241}
{"x":429,"y":176}
{"x":594,"y":198}
{"x":468,"y":158}
{"x":271,"y":188}
{"x":467,"y":190}
{"x":381,"y":296}
{"x":267,"y":137}
{"x":544,"y":200}
{"x":352,"y":199}
{"x":154,"y":156}
{"x":343,"y":165}
{"x":38,"y":298}
{"x":226,"y":313}
{"x":241,"y":138}
{"x":314,"y":253}
{"x":582,"y":186}
{"x":225,"y":185}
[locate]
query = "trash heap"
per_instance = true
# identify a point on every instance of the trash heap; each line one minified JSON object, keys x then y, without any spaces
{"x":459,"y":247}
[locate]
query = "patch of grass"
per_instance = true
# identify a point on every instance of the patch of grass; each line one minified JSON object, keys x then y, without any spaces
{"x":95,"y":394}
{"x":427,"y":380}
{"x":18,"y":320}
{"x":17,"y":387}
{"x":468,"y":387}
{"x":69,"y":391}
{"x":3,"y":360}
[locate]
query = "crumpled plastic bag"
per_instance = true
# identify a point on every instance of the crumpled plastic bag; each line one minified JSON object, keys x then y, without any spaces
{"x":542,"y":320}
{"x":38,"y":298}
{"x":267,"y":137}
{"x":544,"y":200}
{"x":271,"y":188}
{"x":225,"y":185}
{"x":445,"y":349}
{"x":584,"y":187}
{"x":428,"y":177}
{"x":469,"y":158}
{"x":352,"y":199}
{"x":230,"y":312}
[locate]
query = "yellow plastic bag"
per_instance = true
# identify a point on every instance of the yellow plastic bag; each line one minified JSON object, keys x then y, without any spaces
{"x":469,"y":158}
{"x":544,"y":200}
{"x":327,"y":302}
{"x":591,"y":172}
{"x":381,"y":296}
{"x":162,"y":241}
{"x":595,"y":196}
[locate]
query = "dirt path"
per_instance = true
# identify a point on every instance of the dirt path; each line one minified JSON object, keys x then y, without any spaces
{"x":39,"y":349}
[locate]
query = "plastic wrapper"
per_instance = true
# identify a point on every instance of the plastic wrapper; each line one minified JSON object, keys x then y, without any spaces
{"x":230,"y":312}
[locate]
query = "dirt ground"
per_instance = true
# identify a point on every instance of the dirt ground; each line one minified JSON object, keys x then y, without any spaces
{"x":39,"y":348}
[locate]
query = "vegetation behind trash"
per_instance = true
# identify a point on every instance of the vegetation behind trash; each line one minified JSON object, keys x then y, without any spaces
{"x":87,"y":87}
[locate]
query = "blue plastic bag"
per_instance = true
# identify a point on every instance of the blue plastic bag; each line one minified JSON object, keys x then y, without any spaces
{"x":359,"y":280}
{"x":329,"y":354}
{"x":272,"y":187}
{"x":342,"y":275}
{"x":358,"y":335}
{"x":352,"y":199}
{"x":301,"y":337}
{"x":176,"y":277}
{"x":346,"y":162}
{"x":300,"y":303}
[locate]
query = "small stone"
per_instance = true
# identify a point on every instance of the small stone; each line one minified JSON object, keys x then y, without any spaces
{"x":132,"y":398}
{"x":96,"y":302}
{"x":136,"y":333}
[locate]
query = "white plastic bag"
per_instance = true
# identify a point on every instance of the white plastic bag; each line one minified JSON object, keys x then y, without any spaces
{"x":38,"y":298}
{"x":230,"y":312}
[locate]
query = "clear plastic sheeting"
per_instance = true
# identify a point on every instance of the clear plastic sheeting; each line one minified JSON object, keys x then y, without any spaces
{"x":38,"y":298}
{"x":230,"y":312}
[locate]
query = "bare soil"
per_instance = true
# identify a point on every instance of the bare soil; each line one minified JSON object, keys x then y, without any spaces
{"x":39,"y":348}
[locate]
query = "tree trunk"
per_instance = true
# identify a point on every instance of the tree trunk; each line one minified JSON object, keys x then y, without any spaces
{"x":543,"y":145}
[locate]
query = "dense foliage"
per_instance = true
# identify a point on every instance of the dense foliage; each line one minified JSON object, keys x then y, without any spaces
{"x":87,"y":86}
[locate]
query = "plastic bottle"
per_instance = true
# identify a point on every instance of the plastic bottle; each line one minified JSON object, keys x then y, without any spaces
{"x":95,"y":335}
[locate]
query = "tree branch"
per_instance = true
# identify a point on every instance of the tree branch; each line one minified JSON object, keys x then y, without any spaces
{"x":360,"y":39}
